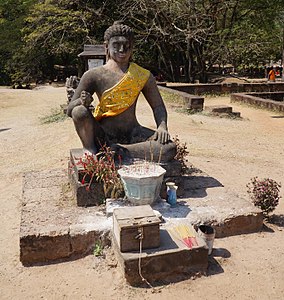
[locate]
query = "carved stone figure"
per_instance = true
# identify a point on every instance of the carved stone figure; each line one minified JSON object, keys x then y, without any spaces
{"x":71,"y":84}
{"x":118,"y":84}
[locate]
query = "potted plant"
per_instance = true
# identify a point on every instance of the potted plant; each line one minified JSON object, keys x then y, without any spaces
{"x":101,"y":168}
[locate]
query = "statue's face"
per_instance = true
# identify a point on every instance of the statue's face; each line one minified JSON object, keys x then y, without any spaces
{"x":120,"y":49}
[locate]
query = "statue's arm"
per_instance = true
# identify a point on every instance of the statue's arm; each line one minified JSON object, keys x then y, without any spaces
{"x":153,"y":96}
{"x":83,"y":93}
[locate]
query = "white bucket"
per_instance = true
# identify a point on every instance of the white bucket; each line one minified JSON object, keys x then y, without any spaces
{"x":207,"y":233}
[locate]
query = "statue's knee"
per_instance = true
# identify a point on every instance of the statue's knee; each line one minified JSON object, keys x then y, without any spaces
{"x":169,"y":151}
{"x":80,"y":113}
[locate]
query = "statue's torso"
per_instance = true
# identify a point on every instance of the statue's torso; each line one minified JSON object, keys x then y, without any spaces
{"x":122,"y":125}
{"x":104,"y":79}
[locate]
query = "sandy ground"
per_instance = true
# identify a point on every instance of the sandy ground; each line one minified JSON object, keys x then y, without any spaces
{"x":231,"y":151}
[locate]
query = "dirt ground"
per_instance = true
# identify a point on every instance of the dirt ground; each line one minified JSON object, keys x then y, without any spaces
{"x":231,"y":151}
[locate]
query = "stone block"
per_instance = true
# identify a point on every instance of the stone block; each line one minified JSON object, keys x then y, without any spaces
{"x":256,"y":100}
{"x":84,"y":194}
{"x":219,"y":109}
{"x":52,"y":226}
{"x":236,"y":114}
{"x":35,"y":247}
{"x":173,"y":168}
{"x":246,"y":223}
{"x":84,"y":236}
{"x":195,"y":103}
{"x":171,"y":262}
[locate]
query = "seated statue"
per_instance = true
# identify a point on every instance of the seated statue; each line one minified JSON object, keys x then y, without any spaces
{"x":118,"y":84}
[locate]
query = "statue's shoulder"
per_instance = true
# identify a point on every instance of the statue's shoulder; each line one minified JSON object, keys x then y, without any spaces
{"x":139,"y":72}
{"x":94,"y":74}
{"x":96,"y":70}
{"x":137,"y":67}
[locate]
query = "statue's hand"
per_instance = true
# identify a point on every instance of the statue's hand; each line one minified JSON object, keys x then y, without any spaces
{"x":162,"y":135}
{"x":86,"y":98}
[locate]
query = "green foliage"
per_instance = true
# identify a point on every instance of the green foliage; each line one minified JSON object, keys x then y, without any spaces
{"x":198,"y":34}
{"x":12,"y":18}
{"x":98,"y":250}
{"x":56,"y":115}
{"x":35,"y":35}
{"x":54,"y":32}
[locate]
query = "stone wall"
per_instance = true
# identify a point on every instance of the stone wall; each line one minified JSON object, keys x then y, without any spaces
{"x":276,"y":96}
{"x":257,"y":101}
{"x":191,"y":102}
{"x":224,"y":88}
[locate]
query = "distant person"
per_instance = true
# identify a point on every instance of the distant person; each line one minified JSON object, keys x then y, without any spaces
{"x":271,"y":75}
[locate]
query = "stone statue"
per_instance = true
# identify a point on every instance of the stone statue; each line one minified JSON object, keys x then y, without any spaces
{"x":71,"y":84}
{"x":118,"y":84}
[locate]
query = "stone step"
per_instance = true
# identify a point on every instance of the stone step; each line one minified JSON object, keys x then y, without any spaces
{"x":171,"y":261}
{"x":219,"y":109}
{"x":195,"y":103}
{"x":236,"y":114}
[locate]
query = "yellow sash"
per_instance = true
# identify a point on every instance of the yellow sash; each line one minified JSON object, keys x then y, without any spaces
{"x":122,"y":95}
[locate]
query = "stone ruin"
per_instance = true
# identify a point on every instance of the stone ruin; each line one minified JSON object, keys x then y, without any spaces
{"x":269,"y":100}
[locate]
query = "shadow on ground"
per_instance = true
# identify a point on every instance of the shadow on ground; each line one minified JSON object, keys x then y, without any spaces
{"x":218,"y":256}
{"x":195,"y":185}
{"x":4,"y":129}
{"x":276,"y":220}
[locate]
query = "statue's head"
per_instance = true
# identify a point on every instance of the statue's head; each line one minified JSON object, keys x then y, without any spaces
{"x":119,"y":41}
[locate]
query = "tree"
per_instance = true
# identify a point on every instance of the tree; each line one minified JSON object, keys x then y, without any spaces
{"x":200,"y":33}
{"x":56,"y":31}
{"x":171,"y":35}
{"x":12,"y":15}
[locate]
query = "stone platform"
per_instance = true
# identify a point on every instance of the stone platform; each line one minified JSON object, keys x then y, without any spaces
{"x":53,"y":227}
{"x":172,"y":261}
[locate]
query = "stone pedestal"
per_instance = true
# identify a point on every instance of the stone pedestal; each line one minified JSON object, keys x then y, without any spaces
{"x":172,"y":261}
{"x":84,"y":195}
{"x":53,"y":227}
{"x":95,"y":195}
{"x":195,"y":103}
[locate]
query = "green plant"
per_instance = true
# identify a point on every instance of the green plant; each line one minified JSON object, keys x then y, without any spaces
{"x":98,"y":250}
{"x":56,"y":116}
{"x":181,"y":154}
{"x":101,"y":168}
{"x":264,"y":193}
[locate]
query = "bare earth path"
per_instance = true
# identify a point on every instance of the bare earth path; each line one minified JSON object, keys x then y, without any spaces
{"x":231,"y":151}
